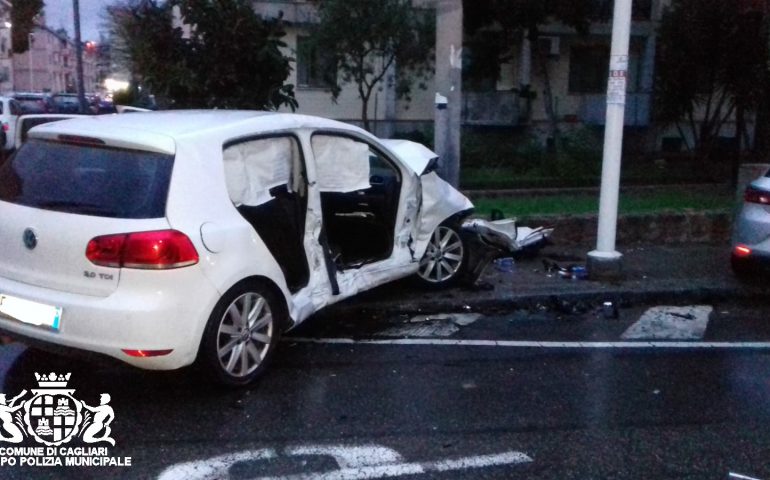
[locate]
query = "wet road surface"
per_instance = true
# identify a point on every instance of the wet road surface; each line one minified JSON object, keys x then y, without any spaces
{"x":443,"y":411}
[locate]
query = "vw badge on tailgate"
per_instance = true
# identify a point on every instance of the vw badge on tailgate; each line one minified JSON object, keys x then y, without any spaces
{"x":30,"y":239}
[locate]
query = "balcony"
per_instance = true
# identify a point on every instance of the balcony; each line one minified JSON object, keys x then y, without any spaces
{"x":593,"y":109}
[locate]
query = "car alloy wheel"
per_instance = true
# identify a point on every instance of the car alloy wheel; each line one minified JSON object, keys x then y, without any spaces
{"x":444,"y":258}
{"x":242,"y":333}
{"x":245,"y":334}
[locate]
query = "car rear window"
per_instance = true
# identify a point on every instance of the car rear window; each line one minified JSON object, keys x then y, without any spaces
{"x":87,"y":180}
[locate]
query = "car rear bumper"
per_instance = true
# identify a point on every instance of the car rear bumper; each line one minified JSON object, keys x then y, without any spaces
{"x":757,"y":262}
{"x":149,"y":317}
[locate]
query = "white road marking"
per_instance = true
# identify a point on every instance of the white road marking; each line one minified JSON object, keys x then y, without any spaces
{"x":671,"y":323}
{"x":351,"y":456}
{"x":740,"y":477}
{"x":213,"y":468}
{"x":537,"y":344}
{"x":355,"y":462}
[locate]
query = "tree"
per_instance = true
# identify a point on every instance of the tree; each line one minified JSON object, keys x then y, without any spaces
{"x":23,"y":15}
{"x":364,"y":39}
{"x":712,"y":67}
{"x":491,"y":24}
{"x":230,"y":58}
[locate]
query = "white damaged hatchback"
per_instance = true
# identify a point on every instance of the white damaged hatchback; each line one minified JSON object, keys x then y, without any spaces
{"x":164,"y":238}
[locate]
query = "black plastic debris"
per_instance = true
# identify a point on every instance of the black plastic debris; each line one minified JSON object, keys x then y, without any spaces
{"x":571,"y":272}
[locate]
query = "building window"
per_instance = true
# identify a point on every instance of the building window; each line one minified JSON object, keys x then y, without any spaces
{"x":601,"y":10}
{"x":314,"y":69}
{"x":588,"y":69}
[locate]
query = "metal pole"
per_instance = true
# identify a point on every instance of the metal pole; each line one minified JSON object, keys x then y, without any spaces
{"x":79,"y":57}
{"x":605,"y":261}
{"x":30,"y":41}
{"x":448,"y":78}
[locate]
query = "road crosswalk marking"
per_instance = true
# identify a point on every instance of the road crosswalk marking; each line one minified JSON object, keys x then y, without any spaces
{"x":670,"y":323}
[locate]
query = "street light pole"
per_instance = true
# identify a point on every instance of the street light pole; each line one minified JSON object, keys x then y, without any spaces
{"x":79,"y":58}
{"x":605,"y":261}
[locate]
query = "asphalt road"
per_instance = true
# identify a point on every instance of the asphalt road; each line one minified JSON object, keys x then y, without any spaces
{"x":390,"y":409}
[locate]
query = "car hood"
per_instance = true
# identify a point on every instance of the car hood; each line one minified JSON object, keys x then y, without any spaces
{"x":416,"y":156}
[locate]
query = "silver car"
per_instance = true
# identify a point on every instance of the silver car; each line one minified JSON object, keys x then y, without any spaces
{"x":751,"y":237}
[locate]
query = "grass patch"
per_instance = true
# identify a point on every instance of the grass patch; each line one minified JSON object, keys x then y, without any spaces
{"x":632,"y":203}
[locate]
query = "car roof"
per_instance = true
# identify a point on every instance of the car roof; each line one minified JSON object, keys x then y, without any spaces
{"x":160,"y":130}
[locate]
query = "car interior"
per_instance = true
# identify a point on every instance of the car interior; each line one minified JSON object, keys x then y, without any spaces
{"x":359,"y":222}
{"x":266,"y":181}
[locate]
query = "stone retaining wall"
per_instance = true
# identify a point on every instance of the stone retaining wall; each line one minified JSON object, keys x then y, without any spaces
{"x":658,"y":228}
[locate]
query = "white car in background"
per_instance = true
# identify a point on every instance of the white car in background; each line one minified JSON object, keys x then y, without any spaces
{"x":751,"y":234}
{"x":165,"y":237}
{"x":10,"y":109}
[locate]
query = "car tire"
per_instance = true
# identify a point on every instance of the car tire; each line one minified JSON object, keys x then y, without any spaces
{"x":446,"y":258}
{"x":242,"y":334}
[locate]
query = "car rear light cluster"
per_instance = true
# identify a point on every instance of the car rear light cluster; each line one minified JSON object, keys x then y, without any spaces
{"x":755,"y":195}
{"x":162,"y":249}
{"x":741,"y":251}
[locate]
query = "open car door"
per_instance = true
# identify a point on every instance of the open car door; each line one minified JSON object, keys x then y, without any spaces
{"x":370,"y":204}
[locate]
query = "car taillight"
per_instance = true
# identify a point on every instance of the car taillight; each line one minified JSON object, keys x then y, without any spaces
{"x":755,"y":195}
{"x":741,"y":251}
{"x":147,"y":250}
{"x":6,"y":127}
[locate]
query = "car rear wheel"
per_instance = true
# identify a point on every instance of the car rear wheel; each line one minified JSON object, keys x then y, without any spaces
{"x":242,"y":333}
{"x":445,"y":259}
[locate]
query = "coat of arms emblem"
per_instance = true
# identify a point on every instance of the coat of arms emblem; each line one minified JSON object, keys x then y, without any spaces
{"x":53,"y":416}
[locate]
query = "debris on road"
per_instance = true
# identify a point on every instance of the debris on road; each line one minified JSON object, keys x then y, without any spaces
{"x":433,"y":325}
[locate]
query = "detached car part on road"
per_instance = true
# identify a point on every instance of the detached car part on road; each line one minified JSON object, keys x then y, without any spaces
{"x":161,"y":238}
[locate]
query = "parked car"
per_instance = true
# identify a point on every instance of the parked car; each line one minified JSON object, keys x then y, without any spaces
{"x":66,"y":103}
{"x":34,"y":102}
{"x":751,"y":235}
{"x":9,"y":112}
{"x":163,"y":238}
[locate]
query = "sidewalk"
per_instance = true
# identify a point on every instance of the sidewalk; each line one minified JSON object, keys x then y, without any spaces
{"x":676,"y":274}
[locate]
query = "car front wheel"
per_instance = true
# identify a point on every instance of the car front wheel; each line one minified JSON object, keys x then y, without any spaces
{"x":445,"y":258}
{"x":241,"y":334}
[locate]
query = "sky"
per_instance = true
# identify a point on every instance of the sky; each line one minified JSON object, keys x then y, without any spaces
{"x":59,"y":14}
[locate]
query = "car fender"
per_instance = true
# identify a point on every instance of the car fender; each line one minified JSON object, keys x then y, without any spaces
{"x":440,"y":201}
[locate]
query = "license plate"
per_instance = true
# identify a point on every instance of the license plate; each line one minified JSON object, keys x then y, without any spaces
{"x":33,"y":313}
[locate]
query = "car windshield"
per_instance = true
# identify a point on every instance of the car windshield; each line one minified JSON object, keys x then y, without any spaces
{"x":66,"y":99}
{"x":87,"y":180}
{"x":32,"y":105}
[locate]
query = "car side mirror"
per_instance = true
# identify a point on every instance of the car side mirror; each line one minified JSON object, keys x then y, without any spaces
{"x":431,"y":167}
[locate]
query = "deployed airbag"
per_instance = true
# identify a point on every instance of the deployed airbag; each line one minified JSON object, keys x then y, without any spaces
{"x":342,"y":164}
{"x":252,"y":168}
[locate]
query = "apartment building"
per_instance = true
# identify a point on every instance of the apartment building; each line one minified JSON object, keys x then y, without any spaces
{"x":50,"y":63}
{"x":577,"y":69}
{"x":6,"y":55}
